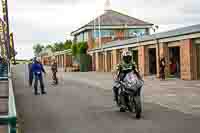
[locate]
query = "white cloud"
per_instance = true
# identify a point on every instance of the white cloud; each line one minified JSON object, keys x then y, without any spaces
{"x":45,"y":21}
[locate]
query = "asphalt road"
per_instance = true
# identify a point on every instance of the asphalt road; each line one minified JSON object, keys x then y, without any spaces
{"x":75,"y":107}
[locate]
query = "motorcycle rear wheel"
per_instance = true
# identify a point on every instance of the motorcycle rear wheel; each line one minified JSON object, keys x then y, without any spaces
{"x":122,"y":109}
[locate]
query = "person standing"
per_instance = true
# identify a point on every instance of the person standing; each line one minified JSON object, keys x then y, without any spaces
{"x":54,"y":69}
{"x":162,"y":68}
{"x":30,"y":72}
{"x":37,"y":69}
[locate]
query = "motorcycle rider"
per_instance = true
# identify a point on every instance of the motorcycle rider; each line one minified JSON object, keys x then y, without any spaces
{"x":126,"y":66}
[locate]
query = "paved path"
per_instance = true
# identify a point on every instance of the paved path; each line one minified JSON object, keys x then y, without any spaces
{"x":176,"y":94}
{"x":77,"y":107}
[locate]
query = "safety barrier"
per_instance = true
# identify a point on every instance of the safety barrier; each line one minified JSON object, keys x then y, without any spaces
{"x":3,"y":71}
{"x":8,"y":119}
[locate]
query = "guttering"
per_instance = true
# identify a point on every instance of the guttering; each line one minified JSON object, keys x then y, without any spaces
{"x":109,"y":27}
{"x":152,"y":40}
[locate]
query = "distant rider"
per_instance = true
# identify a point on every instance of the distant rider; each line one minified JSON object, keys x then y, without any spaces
{"x":54,"y":69}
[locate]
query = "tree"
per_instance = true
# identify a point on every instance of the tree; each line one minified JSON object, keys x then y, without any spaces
{"x":74,"y":49}
{"x":79,"y":48}
{"x":49,"y":46}
{"x":38,"y":49}
{"x":58,"y":46}
{"x":83,"y":47}
{"x":67,"y":44}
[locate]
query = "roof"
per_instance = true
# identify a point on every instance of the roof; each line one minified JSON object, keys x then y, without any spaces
{"x":114,"y":18}
{"x":172,"y":33}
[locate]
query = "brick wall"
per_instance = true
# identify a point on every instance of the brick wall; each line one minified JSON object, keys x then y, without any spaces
{"x":106,"y":40}
{"x":119,"y":34}
{"x":143,"y":60}
{"x":103,"y":40}
{"x":188,"y":68}
{"x":90,"y":41}
{"x":106,"y":61}
{"x":97,"y":61}
{"x":114,"y":58}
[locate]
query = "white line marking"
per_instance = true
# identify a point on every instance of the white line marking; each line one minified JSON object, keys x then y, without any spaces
{"x":196,"y":106}
{"x":170,"y":95}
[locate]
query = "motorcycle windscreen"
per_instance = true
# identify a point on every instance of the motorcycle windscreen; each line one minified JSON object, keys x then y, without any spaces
{"x":132,"y":82}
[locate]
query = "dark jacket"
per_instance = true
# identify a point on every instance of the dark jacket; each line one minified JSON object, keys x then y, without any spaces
{"x":54,"y":67}
{"x":37,"y":69}
{"x":125,"y":68}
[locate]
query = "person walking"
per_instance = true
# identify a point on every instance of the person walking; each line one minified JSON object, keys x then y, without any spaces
{"x":54,"y":69}
{"x":37,"y":69}
{"x":162,"y":68}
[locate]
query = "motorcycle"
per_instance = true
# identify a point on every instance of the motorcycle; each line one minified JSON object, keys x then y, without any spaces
{"x":129,"y":94}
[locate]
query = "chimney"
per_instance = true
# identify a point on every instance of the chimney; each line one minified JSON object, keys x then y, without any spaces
{"x":107,"y":5}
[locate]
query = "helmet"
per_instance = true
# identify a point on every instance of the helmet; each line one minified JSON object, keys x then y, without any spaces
{"x":126,"y":56}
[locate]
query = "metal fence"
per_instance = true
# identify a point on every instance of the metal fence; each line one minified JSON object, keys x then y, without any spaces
{"x":3,"y":71}
{"x":9,"y":117}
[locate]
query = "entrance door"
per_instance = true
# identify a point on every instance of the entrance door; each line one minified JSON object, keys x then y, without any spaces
{"x":152,"y":61}
{"x":174,"y":56}
{"x":135,"y":56}
{"x":198,"y":61}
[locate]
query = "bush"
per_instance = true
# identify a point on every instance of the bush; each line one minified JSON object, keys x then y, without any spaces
{"x":83,"y":47}
{"x":80,"y":48}
{"x":74,"y":49}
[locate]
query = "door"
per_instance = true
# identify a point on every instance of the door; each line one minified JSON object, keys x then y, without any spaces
{"x":135,"y":57}
{"x":152,"y":61}
{"x":109,"y":61}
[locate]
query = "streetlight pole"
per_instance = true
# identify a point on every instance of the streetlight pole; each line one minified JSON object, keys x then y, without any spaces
{"x":157,"y":42}
{"x":100,"y":45}
{"x":138,"y":44}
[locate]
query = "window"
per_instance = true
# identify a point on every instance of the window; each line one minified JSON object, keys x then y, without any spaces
{"x":104,"y":33}
{"x":107,"y":33}
{"x":131,"y":32}
{"x":85,"y":38}
{"x":80,"y":37}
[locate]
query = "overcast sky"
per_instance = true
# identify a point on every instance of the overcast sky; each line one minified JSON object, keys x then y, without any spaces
{"x":46,"y":21}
